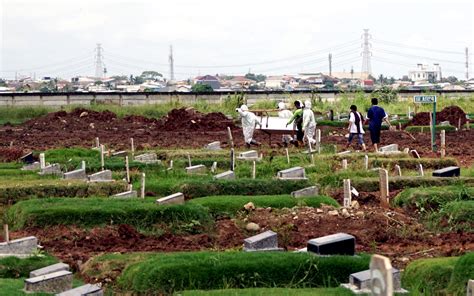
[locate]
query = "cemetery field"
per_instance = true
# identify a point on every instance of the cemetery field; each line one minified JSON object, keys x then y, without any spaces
{"x":147,"y":206}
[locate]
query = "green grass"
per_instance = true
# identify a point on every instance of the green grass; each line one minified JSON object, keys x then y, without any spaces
{"x":231,"y":204}
{"x":455,"y":216}
{"x":463,"y":271}
{"x":428,"y":276}
{"x":426,"y":129}
{"x":14,"y":287}
{"x":143,"y":214}
{"x":171,"y":272}
{"x":13,"y":267}
{"x":270,"y":291}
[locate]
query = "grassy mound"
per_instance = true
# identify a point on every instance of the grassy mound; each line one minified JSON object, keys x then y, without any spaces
{"x":271,"y":291}
{"x":425,"y":199}
{"x":428,"y":276}
{"x":372,"y":184}
{"x":13,"y":267}
{"x":456,"y":215}
{"x":211,"y":270}
{"x":463,"y":271}
{"x":426,"y":129}
{"x":101,"y":211}
{"x":230,"y":204}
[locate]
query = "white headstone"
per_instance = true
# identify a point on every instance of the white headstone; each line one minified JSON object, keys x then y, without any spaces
{"x":127,"y":169}
{"x":344,"y":164}
{"x":254,"y":168}
{"x":214,"y":167}
{"x":102,"y":162}
{"x":347,"y":193}
{"x":420,"y":170}
{"x":381,"y":278}
{"x":287,"y":156}
{"x":366,"y":162}
{"x":42,"y":161}
{"x":398,"y":170}
{"x":142,"y":188}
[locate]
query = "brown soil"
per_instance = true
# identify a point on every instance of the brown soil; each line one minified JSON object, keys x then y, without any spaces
{"x":452,"y":114}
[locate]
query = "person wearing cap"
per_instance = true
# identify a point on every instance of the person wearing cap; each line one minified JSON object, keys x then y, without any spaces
{"x":297,"y":118}
{"x":285,"y":113}
{"x":249,"y":121}
{"x":309,"y":123}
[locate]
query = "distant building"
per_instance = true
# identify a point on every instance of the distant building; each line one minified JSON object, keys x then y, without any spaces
{"x":349,"y":75}
{"x":279,"y":82}
{"x":210,"y":80}
{"x":425,"y":73}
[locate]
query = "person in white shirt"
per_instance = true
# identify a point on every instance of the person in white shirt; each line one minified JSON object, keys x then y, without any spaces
{"x":309,"y":123}
{"x":249,"y":121}
{"x":285,"y":113}
{"x":356,"y":128}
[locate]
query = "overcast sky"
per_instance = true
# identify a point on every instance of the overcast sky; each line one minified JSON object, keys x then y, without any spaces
{"x":58,"y":38}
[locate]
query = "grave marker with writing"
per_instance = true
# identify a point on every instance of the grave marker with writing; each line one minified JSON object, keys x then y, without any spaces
{"x":347,"y":193}
{"x":306,"y":192}
{"x":381,"y":278}
{"x":55,"y":282}
{"x":265,"y":241}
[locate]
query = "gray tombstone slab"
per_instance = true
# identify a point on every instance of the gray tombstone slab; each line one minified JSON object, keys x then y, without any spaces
{"x":470,"y":288}
{"x":102,"y":176}
{"x":49,"y":269}
{"x":52,"y":169}
{"x":344,"y":152}
{"x":213,"y":146}
{"x":225,"y":175}
{"x":334,"y":244}
{"x":177,"y":198}
{"x":452,"y":171}
{"x":79,"y":174}
{"x":121,"y":153}
{"x":381,"y":279}
{"x":362,"y":280}
{"x":196,"y":169}
{"x":305,"y":192}
{"x":265,"y":241}
{"x":55,"y":282}
{"x":35,"y":166}
{"x":126,"y":194}
{"x":22,"y":246}
{"x":292,"y":173}
{"x":389,"y":148}
{"x":248,"y":154}
{"x":84,"y":290}
{"x":147,"y":158}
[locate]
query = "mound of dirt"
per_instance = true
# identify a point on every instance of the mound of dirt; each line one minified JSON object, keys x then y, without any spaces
{"x":188,"y":119}
{"x":10,"y":154}
{"x":452,"y":114}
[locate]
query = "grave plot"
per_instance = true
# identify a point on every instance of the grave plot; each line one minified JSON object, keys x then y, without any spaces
{"x":279,"y":200}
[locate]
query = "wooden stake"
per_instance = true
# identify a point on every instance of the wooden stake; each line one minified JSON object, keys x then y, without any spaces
{"x":344,"y":164}
{"x":232,"y":159}
{"x":132,"y":147}
{"x":287,"y":156}
{"x":189,"y":160}
{"x":231,"y":140}
{"x":384,"y":190}
{"x":97,"y":143}
{"x":311,"y":152}
{"x":142,"y":189}
{"x":318,"y":140}
{"x":6,"y":232}
{"x":366,"y":162}
{"x":459,"y":124}
{"x":347,"y":193}
{"x":102,"y":161}
{"x":398,"y":170}
{"x":443,"y":143}
{"x":42,"y":161}
{"x":127,"y":168}
{"x":254,"y":168}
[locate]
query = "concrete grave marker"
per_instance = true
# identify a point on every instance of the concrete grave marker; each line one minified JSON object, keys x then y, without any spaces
{"x":265,"y":241}
{"x":84,"y":290}
{"x":213,"y":146}
{"x":470,"y":288}
{"x":102,"y":161}
{"x":389,"y":148}
{"x":406,"y":150}
{"x":142,"y":187}
{"x":23,"y":246}
{"x":306,"y":192}
{"x":292,"y":173}
{"x":344,"y":152}
{"x":196,"y":169}
{"x":55,"y":282}
{"x":49,"y":269}
{"x":398,"y":170}
{"x":344,"y":164}
{"x":254,"y":169}
{"x":79,"y":174}
{"x":35,"y":166}
{"x":443,"y":143}
{"x":214,"y":167}
{"x":248,"y":155}
{"x":334,"y":244}
{"x":381,"y":276}
{"x":127,"y":170}
{"x":415,"y":154}
{"x":384,"y":190}
{"x":225,"y":175}
{"x":127,"y":194}
{"x":102,"y":176}
{"x":347,"y":193}
{"x":177,"y":199}
{"x":147,"y":158}
{"x":121,"y":153}
{"x":452,"y":171}
{"x":360,"y":282}
{"x":420,"y":170}
{"x":42,"y":161}
{"x":366,"y":162}
{"x":52,"y":169}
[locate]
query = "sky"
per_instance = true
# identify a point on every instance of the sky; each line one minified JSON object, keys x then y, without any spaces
{"x":271,"y":37}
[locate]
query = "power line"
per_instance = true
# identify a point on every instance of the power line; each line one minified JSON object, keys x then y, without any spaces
{"x":417,"y":56}
{"x":394,"y":44}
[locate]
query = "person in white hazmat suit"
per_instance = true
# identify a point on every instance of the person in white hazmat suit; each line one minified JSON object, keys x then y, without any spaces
{"x":285,"y":113}
{"x":249,"y":121}
{"x":309,"y":123}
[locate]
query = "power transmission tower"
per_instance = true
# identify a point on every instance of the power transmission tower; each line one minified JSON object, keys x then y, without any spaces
{"x":330,"y":64}
{"x":171,"y":61}
{"x":99,"y":64}
{"x":467,"y":64}
{"x":366,"y":53}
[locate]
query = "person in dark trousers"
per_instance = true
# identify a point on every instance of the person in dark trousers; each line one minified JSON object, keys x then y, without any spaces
{"x":356,"y":120}
{"x":298,"y":119}
{"x":375,"y":117}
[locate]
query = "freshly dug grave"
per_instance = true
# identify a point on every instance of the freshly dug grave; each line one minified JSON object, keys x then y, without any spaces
{"x":452,"y":114}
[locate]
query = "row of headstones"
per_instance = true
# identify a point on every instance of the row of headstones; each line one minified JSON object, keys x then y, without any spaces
{"x":380,"y":277}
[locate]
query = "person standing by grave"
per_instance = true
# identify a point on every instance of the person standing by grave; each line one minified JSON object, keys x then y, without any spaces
{"x":309,"y":123}
{"x":297,"y":118}
{"x":355,"y":127}
{"x":285,"y":113}
{"x":375,"y":117}
{"x":249,"y":122}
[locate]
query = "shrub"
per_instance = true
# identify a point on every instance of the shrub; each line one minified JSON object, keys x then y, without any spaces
{"x":463,"y":271}
{"x":215,"y":270}
{"x":230,"y":204}
{"x":13,"y":267}
{"x":101,"y":211}
{"x":428,"y":276}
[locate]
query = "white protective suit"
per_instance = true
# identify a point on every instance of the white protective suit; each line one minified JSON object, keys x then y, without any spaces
{"x":249,"y":120}
{"x":309,"y":123}
{"x":285,"y":113}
